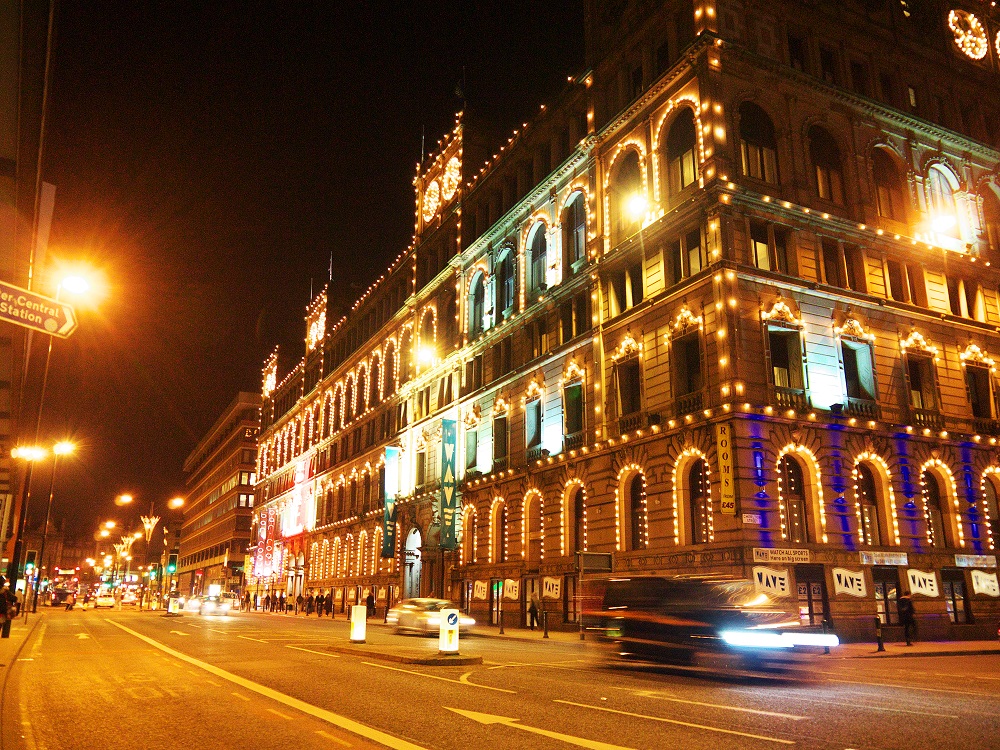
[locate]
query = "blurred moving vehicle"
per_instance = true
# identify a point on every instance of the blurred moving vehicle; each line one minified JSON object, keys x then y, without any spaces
{"x":424,"y":616}
{"x":721,"y":623}
{"x":206,"y":605}
{"x":231,"y":599}
{"x":105,"y":599}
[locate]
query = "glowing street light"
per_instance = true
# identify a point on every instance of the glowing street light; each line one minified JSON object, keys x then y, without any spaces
{"x":636,"y":206}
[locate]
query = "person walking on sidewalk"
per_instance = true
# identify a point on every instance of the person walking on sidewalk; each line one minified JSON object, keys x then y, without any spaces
{"x":370,"y":604}
{"x":533,"y":611}
{"x":907,"y":617}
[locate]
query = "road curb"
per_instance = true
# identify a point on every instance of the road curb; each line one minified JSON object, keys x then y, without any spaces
{"x":919,"y":654}
{"x":431,"y":661}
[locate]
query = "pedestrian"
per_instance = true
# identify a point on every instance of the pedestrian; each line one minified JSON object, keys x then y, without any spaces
{"x":370,"y":604}
{"x":281,"y":602}
{"x":329,"y":604}
{"x":298,"y":603}
{"x":533,"y":611}
{"x":907,"y":617}
{"x":70,"y":602}
{"x":246,"y":602}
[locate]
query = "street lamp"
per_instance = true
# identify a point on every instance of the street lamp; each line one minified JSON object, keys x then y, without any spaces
{"x":74,"y":284}
{"x":62,"y":448}
{"x":149,"y":524}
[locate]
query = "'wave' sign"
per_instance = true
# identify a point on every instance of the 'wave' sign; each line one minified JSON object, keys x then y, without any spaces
{"x":772,"y":580}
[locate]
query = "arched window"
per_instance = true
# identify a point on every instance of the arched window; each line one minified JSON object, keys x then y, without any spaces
{"x":349,"y":401}
{"x":698,"y":501}
{"x":537,"y":255}
{"x":933,"y":508}
{"x":635,"y":497}
{"x":428,"y":331}
{"x":362,"y":391}
{"x":866,"y":494}
{"x":477,"y":306}
{"x":390,"y":371}
{"x":890,"y":190}
{"x":533,"y":529}
{"x":627,"y":197}
{"x":406,"y":356}
{"x":338,"y":408}
{"x":827,"y":168}
{"x":991,"y":221}
{"x":366,"y":493}
{"x":375,"y":384}
{"x":682,"y":165}
{"x":498,"y":537}
{"x":469,"y":536}
{"x":574,"y":234}
{"x":941,"y":189}
{"x":578,"y":503}
{"x":758,"y":144}
{"x":505,"y":285}
{"x":991,"y":509}
{"x":793,"y":500}
{"x":341,"y":501}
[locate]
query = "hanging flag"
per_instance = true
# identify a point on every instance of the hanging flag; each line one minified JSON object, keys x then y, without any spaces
{"x":391,"y":479}
{"x":449,"y":490}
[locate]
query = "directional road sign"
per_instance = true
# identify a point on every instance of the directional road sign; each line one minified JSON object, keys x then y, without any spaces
{"x":36,"y":311}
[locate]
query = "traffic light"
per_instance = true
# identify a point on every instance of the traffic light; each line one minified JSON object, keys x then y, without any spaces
{"x":154,"y":570}
{"x":29,"y":562}
{"x":172,"y":563}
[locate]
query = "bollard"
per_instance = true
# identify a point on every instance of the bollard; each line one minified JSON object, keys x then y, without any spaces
{"x":359,"y":619}
{"x":826,"y":629}
{"x":501,"y":622}
{"x":878,"y":633}
{"x":545,"y":624}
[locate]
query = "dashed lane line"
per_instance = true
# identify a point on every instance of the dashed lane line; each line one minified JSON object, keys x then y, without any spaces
{"x":915,"y":687}
{"x":459,"y":681}
{"x":679,"y":723}
{"x":322,"y":714}
{"x":241,"y":696}
{"x":759,"y":712}
{"x":279,"y":714}
{"x":310,"y":651}
{"x":248,"y":638}
{"x":328,"y":736}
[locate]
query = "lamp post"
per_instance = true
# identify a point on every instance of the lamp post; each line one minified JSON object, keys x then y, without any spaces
{"x":75,"y":285}
{"x":62,"y":448}
{"x":149,"y":526}
{"x":30,"y":454}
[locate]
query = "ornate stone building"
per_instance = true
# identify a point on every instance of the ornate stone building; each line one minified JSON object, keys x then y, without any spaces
{"x":728,"y":306}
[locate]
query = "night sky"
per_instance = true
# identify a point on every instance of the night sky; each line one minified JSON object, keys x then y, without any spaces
{"x":209,"y":158}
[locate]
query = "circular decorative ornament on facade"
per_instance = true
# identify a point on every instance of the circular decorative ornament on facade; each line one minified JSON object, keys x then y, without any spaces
{"x":970,"y":36}
{"x":432,"y":200}
{"x":450,"y":179}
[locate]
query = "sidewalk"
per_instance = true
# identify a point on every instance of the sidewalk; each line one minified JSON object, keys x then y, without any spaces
{"x":925,"y":648}
{"x":19,"y":632}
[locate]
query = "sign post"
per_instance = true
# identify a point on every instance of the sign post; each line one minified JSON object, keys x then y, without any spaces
{"x":36,"y":311}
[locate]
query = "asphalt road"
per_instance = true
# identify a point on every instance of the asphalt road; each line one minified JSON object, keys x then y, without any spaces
{"x":125,"y":679}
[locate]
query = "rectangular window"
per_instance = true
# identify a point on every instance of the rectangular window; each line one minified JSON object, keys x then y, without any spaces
{"x":759,"y":251}
{"x":888,"y":88}
{"x":781,"y":243}
{"x":828,"y":65}
{"x":686,"y":365}
{"x":833,"y":269}
{"x":973,"y":308}
{"x":471,"y":448}
{"x":911,"y":97}
{"x":921,"y":381}
{"x":629,"y":386}
{"x":977,"y":383}
{"x":886,"y":582}
{"x":500,"y":437}
{"x":854,"y":263}
{"x":625,"y":289}
{"x":786,"y":358}
{"x":533,"y":423}
{"x":797,"y":52}
{"x":860,"y":79}
{"x":954,"y":296}
{"x":573,"y":408}
{"x":692,"y":241}
{"x":859,"y":371}
{"x":953,"y":589}
{"x":897,"y":280}
{"x":420,"y":478}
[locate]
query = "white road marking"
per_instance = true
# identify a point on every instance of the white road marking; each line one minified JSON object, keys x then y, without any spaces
{"x":299,"y":705}
{"x":436,"y":677}
{"x":248,"y":638}
{"x":241,"y":696}
{"x":875,"y":708}
{"x":658,"y":696}
{"x":310,"y":651}
{"x":279,"y":714}
{"x":329,"y":736}
{"x":177,"y":632}
{"x":508,"y":722}
{"x":679,"y":723}
{"x":915,"y":687}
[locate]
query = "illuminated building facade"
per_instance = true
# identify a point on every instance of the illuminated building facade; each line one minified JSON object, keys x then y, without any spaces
{"x":729,"y":306}
{"x":221,"y":473}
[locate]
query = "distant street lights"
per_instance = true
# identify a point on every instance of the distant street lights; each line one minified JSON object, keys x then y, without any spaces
{"x":149,"y":523}
{"x":62,"y":448}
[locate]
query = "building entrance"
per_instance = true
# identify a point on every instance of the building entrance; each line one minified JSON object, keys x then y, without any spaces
{"x":411,"y":582}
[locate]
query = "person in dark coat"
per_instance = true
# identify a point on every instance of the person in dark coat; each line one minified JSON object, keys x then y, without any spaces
{"x":907,"y":617}
{"x":370,"y":604}
{"x":329,"y":604}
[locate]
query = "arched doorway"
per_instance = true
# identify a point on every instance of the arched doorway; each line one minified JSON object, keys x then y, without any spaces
{"x":411,"y":580}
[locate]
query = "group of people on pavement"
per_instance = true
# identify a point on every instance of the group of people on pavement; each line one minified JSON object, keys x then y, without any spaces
{"x":319,"y":603}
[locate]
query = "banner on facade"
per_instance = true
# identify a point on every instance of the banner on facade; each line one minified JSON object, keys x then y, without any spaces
{"x":391,"y":479}
{"x":786,"y":556}
{"x":772,"y":580}
{"x":850,"y":582}
{"x":480,"y":590}
{"x":898,"y":559}
{"x":449,"y":489}
{"x":551,"y":587}
{"x":975,"y":561}
{"x":511,"y":589}
{"x":922,"y":582}
{"x":727,"y":474}
{"x":985,"y":583}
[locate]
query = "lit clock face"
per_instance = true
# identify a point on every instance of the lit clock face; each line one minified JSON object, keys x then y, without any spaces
{"x":432,"y":199}
{"x":452,"y":174}
{"x":970,"y":36}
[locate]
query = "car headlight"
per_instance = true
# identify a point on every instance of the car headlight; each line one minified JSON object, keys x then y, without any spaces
{"x":467,"y":622}
{"x":434,"y":621}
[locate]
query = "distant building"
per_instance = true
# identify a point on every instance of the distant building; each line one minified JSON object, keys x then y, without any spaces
{"x":221,"y":475}
{"x":728,"y":306}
